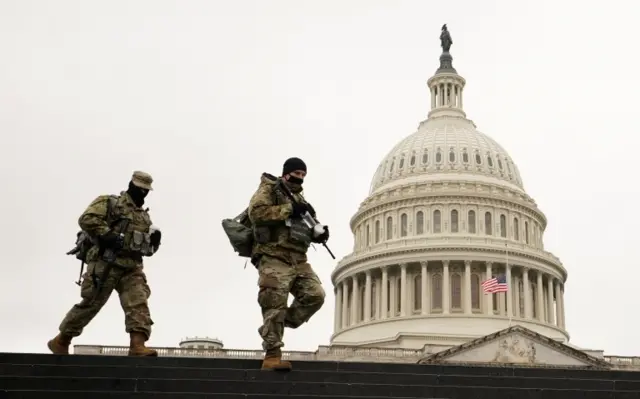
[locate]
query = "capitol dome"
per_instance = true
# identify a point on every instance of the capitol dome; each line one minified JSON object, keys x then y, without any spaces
{"x":446,"y":211}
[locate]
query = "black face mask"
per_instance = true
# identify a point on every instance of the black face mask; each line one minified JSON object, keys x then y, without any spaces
{"x":137,"y":194}
{"x":295,"y":180}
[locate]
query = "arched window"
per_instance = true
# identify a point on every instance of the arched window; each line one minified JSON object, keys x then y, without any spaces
{"x":367,"y":236}
{"x":478,"y":159}
{"x":465,"y":157}
{"x":452,"y":156}
{"x":425,"y":158}
{"x":456,"y":291}
{"x":389,"y":228}
{"x":401,"y":163}
{"x":377,"y":232}
{"x":472,"y":222}
{"x":490,"y":161}
{"x":436,"y":292}
{"x":374,"y":299}
{"x":417,"y":292}
{"x":454,"y":221}
{"x":420,"y":222}
{"x":487,"y":224}
{"x":403,"y":225}
{"x":437,"y":227}
{"x":413,"y":160}
{"x":516,"y":229}
{"x":475,"y":292}
{"x":526,"y":232}
{"x":503,"y":226}
{"x":438,"y":156}
{"x":391,"y":167}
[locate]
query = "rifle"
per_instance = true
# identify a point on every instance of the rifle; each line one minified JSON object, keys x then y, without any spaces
{"x":306,"y":217}
{"x":80,"y":251}
{"x":109,"y":256}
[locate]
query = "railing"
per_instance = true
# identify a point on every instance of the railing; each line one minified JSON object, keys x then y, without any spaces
{"x":324,"y":353}
{"x":489,"y":242}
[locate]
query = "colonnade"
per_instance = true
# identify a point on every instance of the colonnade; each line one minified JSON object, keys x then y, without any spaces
{"x":447,"y":287}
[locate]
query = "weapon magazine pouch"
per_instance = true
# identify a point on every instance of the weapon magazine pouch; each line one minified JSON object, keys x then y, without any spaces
{"x":137,"y":241}
{"x":146,"y":248}
{"x":299,"y":232}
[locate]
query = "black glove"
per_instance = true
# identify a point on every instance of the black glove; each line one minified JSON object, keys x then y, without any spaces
{"x":311,"y":210}
{"x":155,"y":238}
{"x":299,"y":209}
{"x":111,"y":240}
{"x":324,"y":237}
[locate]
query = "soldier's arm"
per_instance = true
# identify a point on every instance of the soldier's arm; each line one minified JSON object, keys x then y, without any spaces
{"x":263,"y":211}
{"x":94,"y":219}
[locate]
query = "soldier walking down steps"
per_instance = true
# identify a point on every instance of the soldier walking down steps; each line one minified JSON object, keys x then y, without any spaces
{"x":281,"y":241}
{"x":118,"y":234}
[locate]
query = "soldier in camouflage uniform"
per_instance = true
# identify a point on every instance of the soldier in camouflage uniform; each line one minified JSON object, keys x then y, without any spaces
{"x":279,"y":253}
{"x":101,"y":221}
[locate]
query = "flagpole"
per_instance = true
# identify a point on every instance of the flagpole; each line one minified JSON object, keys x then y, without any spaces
{"x":510,"y":311}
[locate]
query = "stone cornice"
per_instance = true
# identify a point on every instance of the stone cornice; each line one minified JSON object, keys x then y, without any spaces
{"x":387,"y":256}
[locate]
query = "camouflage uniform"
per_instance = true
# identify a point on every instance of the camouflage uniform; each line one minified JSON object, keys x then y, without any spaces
{"x":282,"y":267}
{"x":126,"y":276}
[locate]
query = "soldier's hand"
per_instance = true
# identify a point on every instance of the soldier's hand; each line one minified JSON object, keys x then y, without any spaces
{"x":323,"y":237}
{"x":155,"y":238}
{"x":299,"y":209}
{"x":111,"y":240}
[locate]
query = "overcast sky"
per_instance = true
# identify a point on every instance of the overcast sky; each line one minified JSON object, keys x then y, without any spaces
{"x":206,"y":95}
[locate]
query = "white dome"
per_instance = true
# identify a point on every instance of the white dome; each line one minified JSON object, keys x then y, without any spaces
{"x":446,"y":211}
{"x":447,"y":148}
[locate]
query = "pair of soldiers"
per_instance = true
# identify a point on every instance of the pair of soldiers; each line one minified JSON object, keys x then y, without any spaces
{"x":280,"y":242}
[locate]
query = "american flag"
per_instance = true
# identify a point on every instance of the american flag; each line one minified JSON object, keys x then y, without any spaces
{"x":496,"y":284}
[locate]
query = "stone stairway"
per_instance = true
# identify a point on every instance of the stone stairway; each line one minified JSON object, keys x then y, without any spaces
{"x":95,"y":377}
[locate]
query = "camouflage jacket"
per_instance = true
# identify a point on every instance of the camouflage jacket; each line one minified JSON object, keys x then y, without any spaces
{"x":270,"y":208}
{"x":95,"y":222}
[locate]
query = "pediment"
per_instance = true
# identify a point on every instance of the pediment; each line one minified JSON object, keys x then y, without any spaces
{"x":516,"y":346}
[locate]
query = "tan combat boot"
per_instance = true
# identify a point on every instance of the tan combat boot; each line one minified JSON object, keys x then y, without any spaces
{"x":60,"y":344}
{"x":273,"y":361}
{"x":137,"y":347}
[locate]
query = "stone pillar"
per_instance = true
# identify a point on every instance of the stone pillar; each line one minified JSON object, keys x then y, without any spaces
{"x":345,"y":304}
{"x":509,"y":293}
{"x":467,"y":287}
{"x":354,"y":300}
{"x":424,"y":301}
{"x":550,"y":318}
{"x":562,"y":321}
{"x":403,"y":289}
{"x":527,"y":293}
{"x":540,"y":297}
{"x":367,"y":296}
{"x":516,"y":307}
{"x":489,"y":297}
{"x":378,"y":298}
{"x":446,"y":287}
{"x":385,"y":293}
{"x":337,"y":323}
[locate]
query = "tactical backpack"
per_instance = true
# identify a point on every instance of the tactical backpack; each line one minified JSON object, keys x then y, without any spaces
{"x":83,"y":241}
{"x":239,"y":230}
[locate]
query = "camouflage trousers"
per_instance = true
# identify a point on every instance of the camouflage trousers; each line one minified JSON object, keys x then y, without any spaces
{"x":132,"y":288}
{"x":276,"y":280}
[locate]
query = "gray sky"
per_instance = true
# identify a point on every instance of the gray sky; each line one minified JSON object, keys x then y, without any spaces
{"x":207,"y":95}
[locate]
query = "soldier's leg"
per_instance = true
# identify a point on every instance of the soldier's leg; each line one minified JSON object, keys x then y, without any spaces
{"x":308,"y":296}
{"x":134,"y":295}
{"x":274,"y":281}
{"x":79,"y":316}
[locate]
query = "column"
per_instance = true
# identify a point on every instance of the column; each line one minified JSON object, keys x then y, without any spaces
{"x":345,"y":304}
{"x":446,"y":287}
{"x":425,"y":295}
{"x":403,"y":289}
{"x":549,"y":299}
{"x":378,"y":298}
{"x":489,"y":297}
{"x":562,"y":320}
{"x":540,"y":296}
{"x":354,"y":301}
{"x":367,"y":296}
{"x":385,"y":293}
{"x":516,"y":307}
{"x":467,"y":286}
{"x":509,"y":292}
{"x":527,"y":293}
{"x":460,"y":96}
{"x":433,"y":97}
{"x":337,"y":322}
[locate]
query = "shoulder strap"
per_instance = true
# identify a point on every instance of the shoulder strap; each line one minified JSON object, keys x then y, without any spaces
{"x":111,"y":203}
